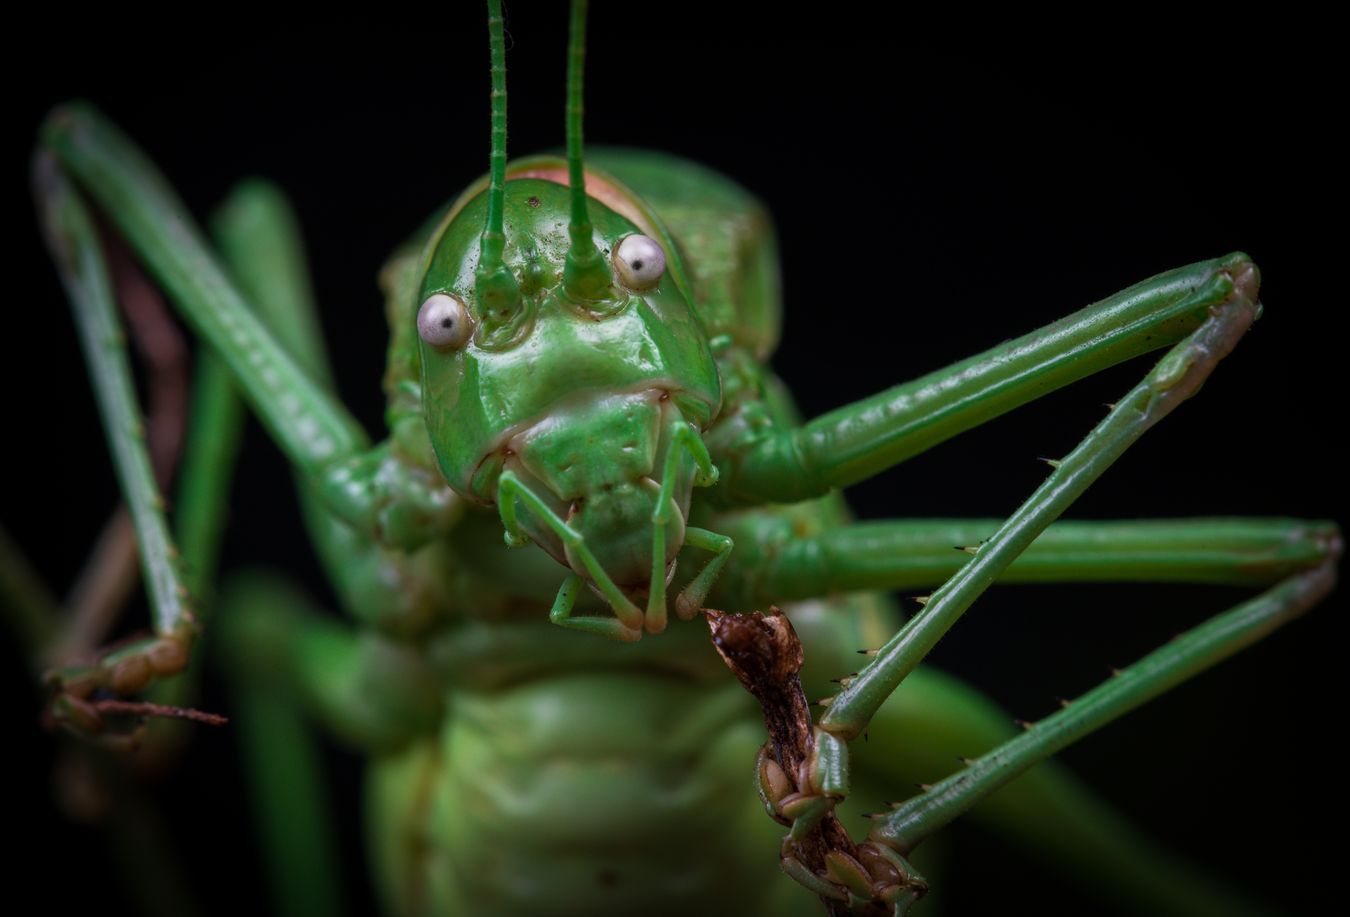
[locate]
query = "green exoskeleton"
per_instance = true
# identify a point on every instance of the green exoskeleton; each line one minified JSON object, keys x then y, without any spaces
{"x":582,"y":428}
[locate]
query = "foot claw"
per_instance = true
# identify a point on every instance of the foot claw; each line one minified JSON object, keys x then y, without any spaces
{"x":125,"y":670}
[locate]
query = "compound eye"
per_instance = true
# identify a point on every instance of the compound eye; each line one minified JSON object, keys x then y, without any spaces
{"x":640,"y":262}
{"x":443,"y":322}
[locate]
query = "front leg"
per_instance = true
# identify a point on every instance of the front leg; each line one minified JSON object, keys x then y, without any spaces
{"x":367,"y":489}
{"x":786,"y":559}
{"x":73,"y":240}
{"x":370,"y":562}
{"x":310,"y":426}
{"x":384,"y":498}
{"x":761,"y":464}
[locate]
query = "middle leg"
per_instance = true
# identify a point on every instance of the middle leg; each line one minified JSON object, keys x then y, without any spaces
{"x":774,"y":562}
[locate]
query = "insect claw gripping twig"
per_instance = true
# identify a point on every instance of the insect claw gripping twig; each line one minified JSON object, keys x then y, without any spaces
{"x":861,"y":879}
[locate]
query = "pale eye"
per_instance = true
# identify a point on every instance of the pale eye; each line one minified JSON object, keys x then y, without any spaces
{"x":639,"y":261}
{"x":443,"y":322}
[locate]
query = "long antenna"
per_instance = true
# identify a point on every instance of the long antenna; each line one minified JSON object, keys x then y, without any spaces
{"x":585,"y":274}
{"x":498,"y":292}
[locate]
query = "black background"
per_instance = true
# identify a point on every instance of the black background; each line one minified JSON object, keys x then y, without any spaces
{"x":929,"y":205}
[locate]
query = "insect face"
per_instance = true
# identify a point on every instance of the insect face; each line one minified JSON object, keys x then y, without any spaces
{"x":577,"y":399}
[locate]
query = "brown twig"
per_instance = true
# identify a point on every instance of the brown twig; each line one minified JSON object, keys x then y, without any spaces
{"x":764,"y":653}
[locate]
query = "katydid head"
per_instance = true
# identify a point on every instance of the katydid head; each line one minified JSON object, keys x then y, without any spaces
{"x":579,"y":399}
{"x":565,"y":375}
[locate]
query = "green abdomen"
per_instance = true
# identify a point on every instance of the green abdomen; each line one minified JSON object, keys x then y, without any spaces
{"x":615,"y":792}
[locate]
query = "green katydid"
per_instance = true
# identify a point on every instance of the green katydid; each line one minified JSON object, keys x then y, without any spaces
{"x":651,"y":638}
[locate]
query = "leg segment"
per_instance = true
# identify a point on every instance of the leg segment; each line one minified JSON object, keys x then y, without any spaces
{"x":273,"y":262}
{"x":1187,"y":655}
{"x":374,"y":490}
{"x":691,"y":599}
{"x":859,"y":440}
{"x":73,"y":239}
{"x":308,"y":424}
{"x":933,"y":719}
{"x":682,"y":438}
{"x":627,"y":623}
{"x":259,"y":238}
{"x":214,"y":429}
{"x":776,"y":564}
